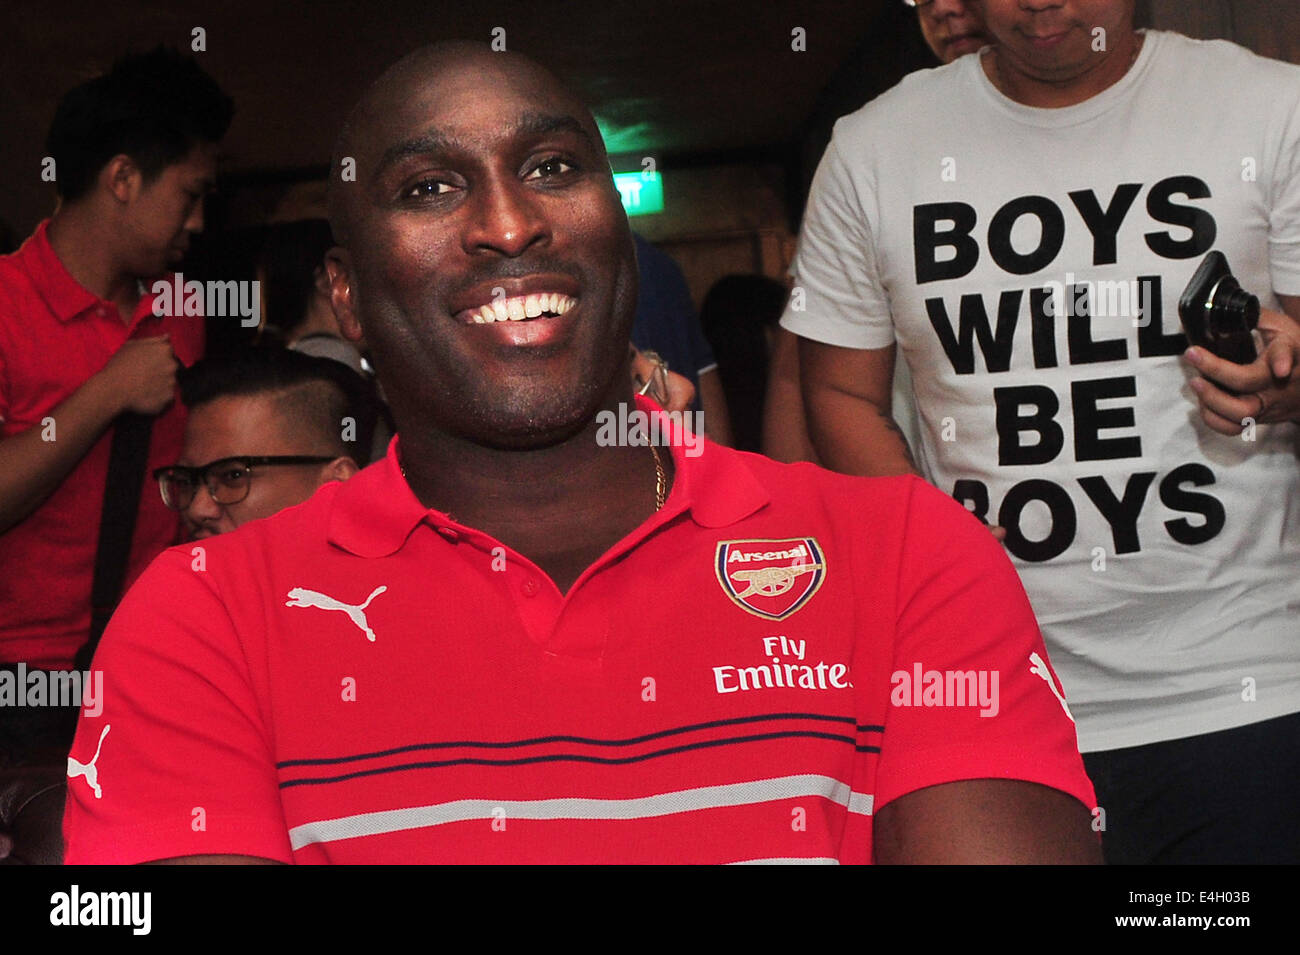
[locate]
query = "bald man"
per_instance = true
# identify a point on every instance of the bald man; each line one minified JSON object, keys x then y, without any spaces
{"x":532,"y":633}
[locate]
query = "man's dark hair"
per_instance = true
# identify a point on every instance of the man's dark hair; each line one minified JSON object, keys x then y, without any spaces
{"x":154,"y":107}
{"x":313,"y":393}
{"x":291,"y":253}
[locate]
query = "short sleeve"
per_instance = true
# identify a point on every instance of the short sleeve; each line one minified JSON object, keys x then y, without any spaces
{"x":972,"y":693}
{"x":1284,"y":210}
{"x":179,"y":761}
{"x":835,"y":265}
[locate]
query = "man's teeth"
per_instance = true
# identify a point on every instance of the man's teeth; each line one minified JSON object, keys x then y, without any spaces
{"x":521,"y":307}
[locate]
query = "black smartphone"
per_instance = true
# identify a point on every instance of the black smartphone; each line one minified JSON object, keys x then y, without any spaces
{"x":1217,"y":313}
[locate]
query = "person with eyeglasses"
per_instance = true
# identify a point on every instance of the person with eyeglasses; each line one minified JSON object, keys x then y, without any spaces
{"x":951,"y":28}
{"x":266,"y":429}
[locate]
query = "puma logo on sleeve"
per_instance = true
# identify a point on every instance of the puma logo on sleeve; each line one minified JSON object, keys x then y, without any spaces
{"x":89,"y":770}
{"x":301,"y":597}
{"x":1039,"y":668}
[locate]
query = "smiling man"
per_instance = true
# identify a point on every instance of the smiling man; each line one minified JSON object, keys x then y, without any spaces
{"x":511,"y":642}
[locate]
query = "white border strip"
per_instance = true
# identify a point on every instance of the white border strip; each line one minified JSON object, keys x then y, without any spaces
{"x":573,"y":807}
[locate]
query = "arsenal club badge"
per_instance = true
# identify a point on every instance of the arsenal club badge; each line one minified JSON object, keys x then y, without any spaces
{"x":770,"y":578}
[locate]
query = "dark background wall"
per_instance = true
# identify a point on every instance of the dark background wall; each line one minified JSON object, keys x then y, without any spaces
{"x":711,"y":89}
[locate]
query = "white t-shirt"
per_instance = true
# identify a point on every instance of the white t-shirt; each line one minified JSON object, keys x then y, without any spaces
{"x":943,"y":200}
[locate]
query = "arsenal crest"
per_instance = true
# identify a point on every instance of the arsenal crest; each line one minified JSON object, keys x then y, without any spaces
{"x":770,"y":578}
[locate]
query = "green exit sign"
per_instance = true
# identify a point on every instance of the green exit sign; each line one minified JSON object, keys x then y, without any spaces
{"x":642,"y":192}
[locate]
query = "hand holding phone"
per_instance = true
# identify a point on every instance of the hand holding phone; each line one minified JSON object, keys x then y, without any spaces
{"x":1217,"y":313}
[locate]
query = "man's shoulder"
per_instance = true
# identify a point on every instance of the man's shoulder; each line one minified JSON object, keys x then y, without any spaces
{"x":1179,"y":45}
{"x":914,"y":102}
{"x":904,"y":501}
{"x":802,"y":483}
{"x":1223,"y":68}
{"x":293,"y":533}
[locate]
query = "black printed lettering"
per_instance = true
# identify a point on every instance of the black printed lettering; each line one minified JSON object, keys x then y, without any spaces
{"x":1173,"y":496}
{"x":927,"y":239}
{"x":1121,"y":514}
{"x":1104,"y":225}
{"x":1042,"y":319}
{"x":1152,"y":338}
{"x":972,"y":495}
{"x":1083,"y":350}
{"x":1089,"y":420}
{"x":1010,"y":423}
{"x":1049,"y":243}
{"x":1197,"y":220}
{"x":1064,"y":520}
{"x":973,"y":322}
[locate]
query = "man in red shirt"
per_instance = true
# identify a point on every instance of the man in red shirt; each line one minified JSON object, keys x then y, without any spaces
{"x":610,"y":652}
{"x":134,"y":154}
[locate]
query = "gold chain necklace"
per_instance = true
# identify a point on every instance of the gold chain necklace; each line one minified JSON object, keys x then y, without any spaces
{"x":661,"y":481}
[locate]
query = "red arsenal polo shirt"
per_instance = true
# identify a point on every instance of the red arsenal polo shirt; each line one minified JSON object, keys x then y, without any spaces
{"x":363,"y":679}
{"x":54,"y":335}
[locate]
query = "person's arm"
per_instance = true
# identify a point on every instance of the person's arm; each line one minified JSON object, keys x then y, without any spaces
{"x":993,"y":776}
{"x":183,"y":753}
{"x":713,"y":403}
{"x":847,"y":394}
{"x":1268,"y":389}
{"x":140,"y":377}
{"x":986,"y":821}
{"x":785,"y":426}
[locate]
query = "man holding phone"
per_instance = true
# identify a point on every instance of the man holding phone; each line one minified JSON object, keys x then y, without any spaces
{"x":1266,"y":391}
{"x":1025,"y":242}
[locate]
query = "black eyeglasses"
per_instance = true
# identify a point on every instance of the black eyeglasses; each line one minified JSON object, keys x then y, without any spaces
{"x":227,"y":480}
{"x":918,"y":4}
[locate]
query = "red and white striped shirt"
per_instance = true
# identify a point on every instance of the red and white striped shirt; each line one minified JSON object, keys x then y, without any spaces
{"x":744,"y":678}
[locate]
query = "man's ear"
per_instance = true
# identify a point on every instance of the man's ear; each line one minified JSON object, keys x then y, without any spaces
{"x":340,"y":469}
{"x":122,"y":178}
{"x":338,"y":278}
